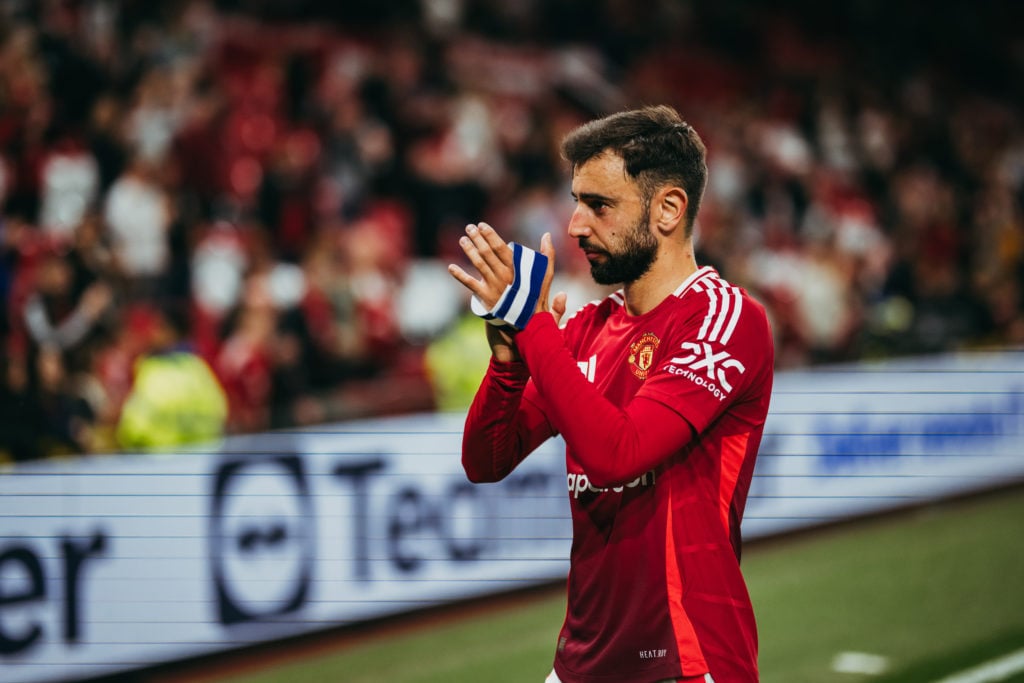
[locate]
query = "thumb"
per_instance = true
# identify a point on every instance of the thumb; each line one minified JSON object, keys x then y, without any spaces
{"x":548,"y":249}
{"x":558,"y":307}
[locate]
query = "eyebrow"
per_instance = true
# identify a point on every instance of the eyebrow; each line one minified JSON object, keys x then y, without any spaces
{"x":588,"y":197}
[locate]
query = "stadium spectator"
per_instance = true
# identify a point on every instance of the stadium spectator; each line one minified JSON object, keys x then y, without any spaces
{"x":57,"y":313}
{"x":245,"y":363}
{"x":175,"y":398}
{"x":69,"y":184}
{"x":18,"y":404}
{"x":455,"y":361}
{"x":65,"y":419}
{"x":138,"y":213}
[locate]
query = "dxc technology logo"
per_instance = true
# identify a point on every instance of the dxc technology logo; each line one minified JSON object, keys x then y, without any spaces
{"x":702,"y":358}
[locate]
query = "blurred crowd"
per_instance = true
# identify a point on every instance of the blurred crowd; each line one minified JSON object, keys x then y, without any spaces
{"x":258,"y":198}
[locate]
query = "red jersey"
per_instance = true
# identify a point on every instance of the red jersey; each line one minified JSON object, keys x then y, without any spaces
{"x":662,"y":414}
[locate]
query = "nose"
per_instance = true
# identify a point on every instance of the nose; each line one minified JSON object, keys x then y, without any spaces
{"x":578,"y":224}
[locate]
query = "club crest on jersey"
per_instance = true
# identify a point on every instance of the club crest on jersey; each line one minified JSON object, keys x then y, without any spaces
{"x":641,"y":354}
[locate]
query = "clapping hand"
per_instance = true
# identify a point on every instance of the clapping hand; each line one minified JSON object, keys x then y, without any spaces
{"x":493,"y":259}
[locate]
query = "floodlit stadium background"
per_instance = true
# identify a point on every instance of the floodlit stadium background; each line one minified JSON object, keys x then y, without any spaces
{"x":287,"y":179}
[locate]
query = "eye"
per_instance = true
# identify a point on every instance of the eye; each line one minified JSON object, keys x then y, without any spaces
{"x":597,"y":205}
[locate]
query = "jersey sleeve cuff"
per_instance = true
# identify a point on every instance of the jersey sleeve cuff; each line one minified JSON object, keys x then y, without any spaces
{"x":509,"y":373}
{"x":538,"y":334}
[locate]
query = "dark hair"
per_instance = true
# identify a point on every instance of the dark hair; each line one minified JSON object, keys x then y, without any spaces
{"x":656,"y":146}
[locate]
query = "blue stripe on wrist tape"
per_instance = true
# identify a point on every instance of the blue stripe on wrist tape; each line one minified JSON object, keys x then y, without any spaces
{"x":516,"y":304}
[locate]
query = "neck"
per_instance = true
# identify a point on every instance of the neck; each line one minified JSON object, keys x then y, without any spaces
{"x":670,"y":269}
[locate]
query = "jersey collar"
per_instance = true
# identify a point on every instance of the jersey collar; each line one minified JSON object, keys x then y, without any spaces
{"x":698,"y":274}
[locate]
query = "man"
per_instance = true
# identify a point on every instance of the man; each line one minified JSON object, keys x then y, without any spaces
{"x":660,"y":392}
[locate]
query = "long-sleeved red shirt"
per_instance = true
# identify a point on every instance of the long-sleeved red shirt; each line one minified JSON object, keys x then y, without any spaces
{"x":662,"y":415}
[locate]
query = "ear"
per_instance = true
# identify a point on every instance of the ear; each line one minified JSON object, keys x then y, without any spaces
{"x":668,"y":209}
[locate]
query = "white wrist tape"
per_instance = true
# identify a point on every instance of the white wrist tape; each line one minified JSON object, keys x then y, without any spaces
{"x":517,"y":302}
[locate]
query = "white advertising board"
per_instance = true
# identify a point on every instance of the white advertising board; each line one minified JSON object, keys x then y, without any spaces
{"x":847,"y":441}
{"x":112,"y":563}
{"x":119,"y":562}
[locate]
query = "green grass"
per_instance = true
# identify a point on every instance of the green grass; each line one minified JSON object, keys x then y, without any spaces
{"x":516,"y":646}
{"x":921,"y":587}
{"x":935,"y":591}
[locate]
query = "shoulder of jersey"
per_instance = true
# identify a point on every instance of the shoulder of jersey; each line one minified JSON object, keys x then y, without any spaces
{"x":721,"y":304}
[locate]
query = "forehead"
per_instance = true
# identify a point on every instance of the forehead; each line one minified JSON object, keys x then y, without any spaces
{"x":605,"y":175}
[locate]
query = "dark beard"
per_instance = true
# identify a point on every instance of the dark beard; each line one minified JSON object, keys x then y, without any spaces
{"x":639,"y":249}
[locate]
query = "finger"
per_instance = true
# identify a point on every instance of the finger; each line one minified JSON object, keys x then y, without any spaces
{"x":467,"y":280}
{"x":474,"y":256}
{"x":497,"y":244}
{"x":487,"y":252}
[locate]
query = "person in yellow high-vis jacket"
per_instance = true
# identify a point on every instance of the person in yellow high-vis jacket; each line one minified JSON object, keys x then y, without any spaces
{"x":175,"y":398}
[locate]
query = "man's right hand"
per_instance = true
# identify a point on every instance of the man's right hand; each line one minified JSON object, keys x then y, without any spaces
{"x":492,"y":257}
